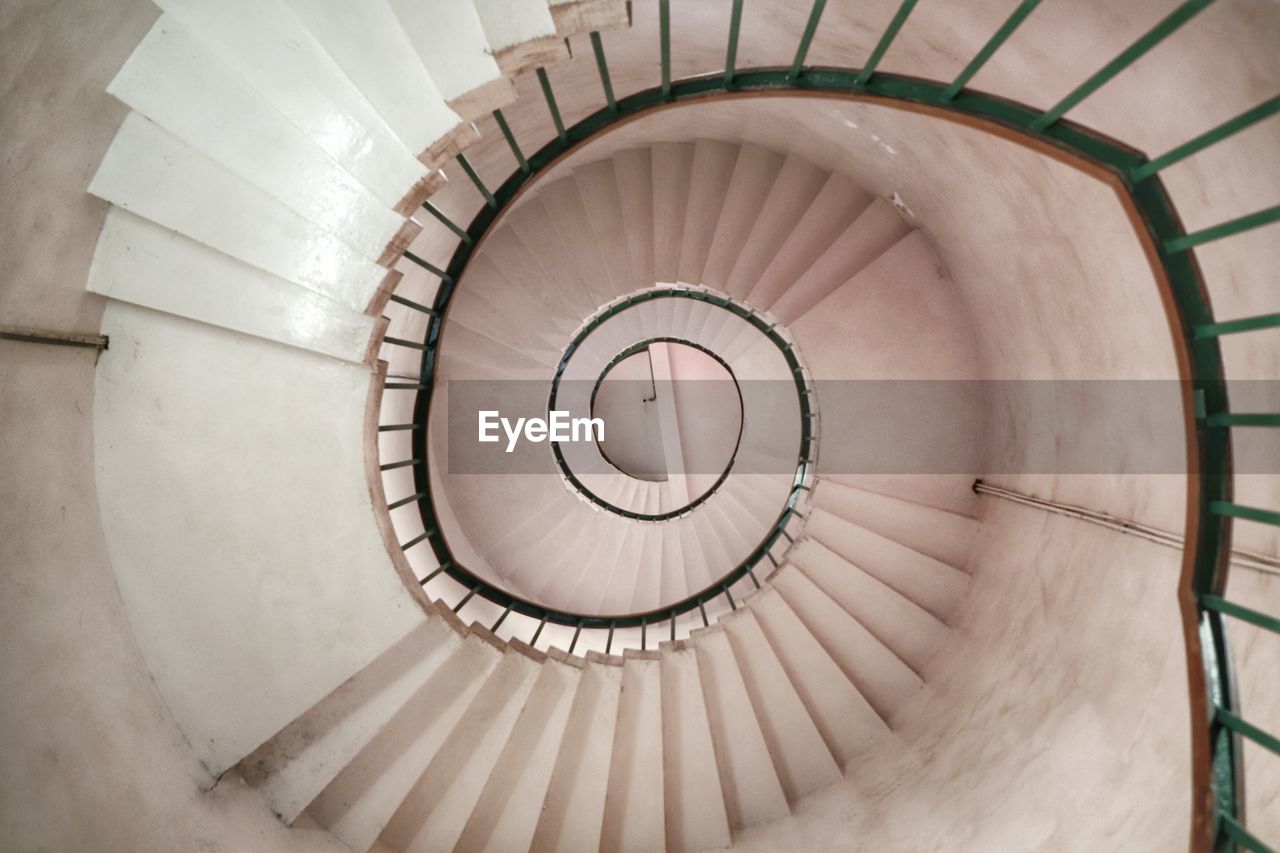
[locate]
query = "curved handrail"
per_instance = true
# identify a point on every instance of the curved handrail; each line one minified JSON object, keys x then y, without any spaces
{"x":1218,"y":817}
{"x":803,"y":389}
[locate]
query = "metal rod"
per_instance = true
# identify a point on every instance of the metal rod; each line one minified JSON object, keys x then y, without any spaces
{"x":1153,"y":37}
{"x":1231,"y":327}
{"x":644,"y":631}
{"x":409,"y":303}
{"x":1248,"y":513}
{"x":538,"y":632}
{"x":395,"y":427}
{"x":1226,"y":229}
{"x":602,"y":65}
{"x":1230,"y":608}
{"x":1243,"y":419}
{"x":673,"y":629}
{"x":573,"y":643}
{"x":993,"y":44}
{"x":1247,"y":729}
{"x":703,"y":611}
{"x":431,"y":576}
{"x":664,"y":44}
{"x":608,"y":645}
{"x":390,"y":465}
{"x":401,"y":342}
{"x":466,"y":598}
{"x":751,"y":574}
{"x":414,"y":541}
{"x":890,"y":33}
{"x":511,"y":140}
{"x":1209,"y":137}
{"x":810,"y":27}
{"x":406,"y":501}
{"x":731,"y":54}
{"x":501,"y":619}
{"x":447,"y":222}
{"x":57,"y":339}
{"x":1237,"y":833}
{"x":545,"y":82}
{"x":729,"y":595}
{"x":475,"y":179}
{"x":406,"y":386}
{"x":429,"y":267}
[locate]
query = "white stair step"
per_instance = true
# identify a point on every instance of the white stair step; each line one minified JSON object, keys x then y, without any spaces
{"x":521,"y":34}
{"x":795,"y":189}
{"x":800,"y":756}
{"x":929,"y":583}
{"x":276,"y":55}
{"x":752,"y":791}
{"x":872,"y":234}
{"x":360,"y":801}
{"x":293,"y":767}
{"x":634,"y":170}
{"x":535,"y":226}
{"x":673,"y":576}
{"x":696,"y":814}
{"x":713,"y":164}
{"x":634,"y":561}
{"x":246,"y":135}
{"x":951,"y":492}
{"x":451,"y":42}
{"x":833,"y":210}
{"x":573,"y":813}
{"x":717,"y":538}
{"x":510,"y":320}
{"x":564,"y":204}
{"x":937,"y":533}
{"x":879,"y":674}
{"x":598,"y":185}
{"x":608,"y":586}
{"x":507,"y":814}
{"x":847,"y":722}
{"x":754,"y":174}
{"x":373,"y":50}
{"x":904,"y":627}
{"x":143,"y":263}
{"x":647,"y":592}
{"x":435,"y":810}
{"x":153,"y":174}
{"x":585,"y":16}
{"x":672,"y":172}
{"x":634,"y":811}
{"x":477,"y":347}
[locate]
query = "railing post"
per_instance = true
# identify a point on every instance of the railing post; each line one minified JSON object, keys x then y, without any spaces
{"x":890,"y":33}
{"x":545,"y":82}
{"x":664,"y":45}
{"x":731,"y":53}
{"x":806,"y":39}
{"x":602,"y":65}
{"x":511,"y":140}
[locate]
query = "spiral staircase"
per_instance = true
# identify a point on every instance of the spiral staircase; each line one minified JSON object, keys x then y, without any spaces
{"x":317,"y":234}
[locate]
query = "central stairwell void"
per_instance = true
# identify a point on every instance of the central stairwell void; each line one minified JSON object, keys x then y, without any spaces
{"x":710,"y":629}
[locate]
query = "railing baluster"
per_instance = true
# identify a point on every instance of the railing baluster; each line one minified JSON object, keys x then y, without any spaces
{"x":396,"y":427}
{"x":538,"y":633}
{"x":392,"y":465}
{"x":401,"y":342}
{"x":577,"y":631}
{"x":414,"y":541}
{"x":806,"y":39}
{"x":731,"y":54}
{"x":1208,"y":138}
{"x":501,"y":619}
{"x":1226,"y":229}
{"x":1233,"y":327}
{"x":1248,"y":513}
{"x":1240,"y":835}
{"x":703,"y":611}
{"x":1243,"y":419}
{"x":1131,"y":54}
{"x":475,"y":179}
{"x":899,"y":18}
{"x":644,"y":631}
{"x":427,"y":265}
{"x":405,"y":386}
{"x":447,"y":222}
{"x":432,"y":575}
{"x":466,"y":598}
{"x":664,"y":45}
{"x":511,"y":140}
{"x":608,"y":644}
{"x":405,"y":501}
{"x":1230,"y":608}
{"x":409,"y":303}
{"x":1247,"y":729}
{"x":993,"y":44}
{"x":602,"y":65}
{"x":545,"y":82}
{"x":751,"y":574}
{"x":729,"y":595}
{"x":673,"y":628}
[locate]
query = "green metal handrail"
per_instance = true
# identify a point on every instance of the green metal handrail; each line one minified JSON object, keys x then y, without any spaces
{"x":1218,"y":821}
{"x":804,"y":391}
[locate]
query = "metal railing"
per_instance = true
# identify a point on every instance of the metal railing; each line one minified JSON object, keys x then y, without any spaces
{"x":1219,"y":726}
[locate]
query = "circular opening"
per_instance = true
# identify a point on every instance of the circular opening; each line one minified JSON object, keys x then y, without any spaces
{"x":672,"y":413}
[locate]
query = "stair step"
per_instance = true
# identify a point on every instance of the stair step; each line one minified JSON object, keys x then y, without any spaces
{"x":937,"y":533}
{"x":521,"y":34}
{"x":848,"y":723}
{"x":310,"y":90}
{"x":800,"y":756}
{"x":565,"y":205}
{"x":153,"y":174}
{"x":696,"y":816}
{"x":598,"y":184}
{"x":573,"y":813}
{"x":753,"y":793}
{"x":672,"y":174}
{"x":357,"y":805}
{"x":293,"y":767}
{"x":880,"y":675}
{"x":634,"y":811}
{"x":950,"y":492}
{"x":929,"y":583}
{"x":900,"y":624}
{"x":506,"y":816}
{"x":435,"y":811}
{"x":754,"y":173}
{"x":535,"y":227}
{"x":713,"y":165}
{"x":634,"y":170}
